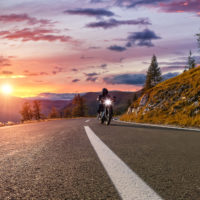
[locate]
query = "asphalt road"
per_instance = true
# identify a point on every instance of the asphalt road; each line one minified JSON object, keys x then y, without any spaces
{"x":56,"y":160}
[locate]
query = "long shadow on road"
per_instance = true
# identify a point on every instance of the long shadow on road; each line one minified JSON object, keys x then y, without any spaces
{"x":150,"y":127}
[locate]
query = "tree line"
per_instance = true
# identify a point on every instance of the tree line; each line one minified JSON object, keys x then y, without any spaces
{"x":77,"y":108}
{"x":29,"y":112}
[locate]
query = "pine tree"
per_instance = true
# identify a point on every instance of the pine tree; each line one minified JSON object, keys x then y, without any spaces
{"x":153,"y":74}
{"x":26,"y":112}
{"x":54,"y":113}
{"x":37,"y":110}
{"x":191,"y":61}
{"x":79,"y":107}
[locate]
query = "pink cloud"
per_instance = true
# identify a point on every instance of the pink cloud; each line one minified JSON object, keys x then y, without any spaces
{"x":23,"y":18}
{"x":181,"y":6}
{"x":4,"y":62}
{"x":35,"y":35}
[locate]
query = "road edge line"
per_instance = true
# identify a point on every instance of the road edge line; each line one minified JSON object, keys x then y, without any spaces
{"x":159,"y":126}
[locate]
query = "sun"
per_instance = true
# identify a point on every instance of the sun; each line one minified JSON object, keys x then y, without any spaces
{"x":6,"y":89}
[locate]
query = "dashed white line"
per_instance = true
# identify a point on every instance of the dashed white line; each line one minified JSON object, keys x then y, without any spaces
{"x":128,"y":184}
{"x":87,"y":121}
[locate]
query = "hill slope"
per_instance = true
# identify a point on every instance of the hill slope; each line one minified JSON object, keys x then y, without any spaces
{"x":174,"y":101}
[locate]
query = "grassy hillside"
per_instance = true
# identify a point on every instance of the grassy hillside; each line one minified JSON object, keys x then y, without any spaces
{"x":174,"y":101}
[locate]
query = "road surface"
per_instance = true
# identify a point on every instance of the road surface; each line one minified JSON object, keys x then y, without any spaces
{"x":81,"y":159}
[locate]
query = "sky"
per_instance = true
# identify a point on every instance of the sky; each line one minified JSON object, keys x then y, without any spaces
{"x":77,"y":46}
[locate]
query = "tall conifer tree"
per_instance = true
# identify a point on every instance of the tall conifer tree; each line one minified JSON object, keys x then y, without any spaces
{"x":153,"y":74}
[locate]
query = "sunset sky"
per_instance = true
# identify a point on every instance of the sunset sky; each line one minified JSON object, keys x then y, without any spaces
{"x":68,"y":46}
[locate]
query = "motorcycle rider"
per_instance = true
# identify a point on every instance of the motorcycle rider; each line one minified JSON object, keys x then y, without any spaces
{"x":101,"y":98}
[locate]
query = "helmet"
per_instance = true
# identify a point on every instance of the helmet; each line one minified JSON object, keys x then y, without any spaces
{"x":104,"y":91}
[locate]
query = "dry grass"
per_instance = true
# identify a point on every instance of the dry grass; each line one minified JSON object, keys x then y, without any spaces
{"x":175,"y":101}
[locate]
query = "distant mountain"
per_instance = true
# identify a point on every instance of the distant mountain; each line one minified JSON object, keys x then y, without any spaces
{"x":11,"y":106}
{"x":122,"y":99}
{"x":175,"y":101}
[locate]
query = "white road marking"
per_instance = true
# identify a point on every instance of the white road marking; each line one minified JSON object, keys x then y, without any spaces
{"x":87,"y":120}
{"x":128,"y":184}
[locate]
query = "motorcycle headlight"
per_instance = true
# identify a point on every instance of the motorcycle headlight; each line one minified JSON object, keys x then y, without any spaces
{"x":108,"y":102}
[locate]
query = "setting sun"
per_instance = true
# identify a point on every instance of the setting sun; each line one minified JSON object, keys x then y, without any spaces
{"x":6,"y":89}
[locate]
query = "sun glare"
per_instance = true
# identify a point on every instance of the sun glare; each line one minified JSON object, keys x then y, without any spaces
{"x":6,"y":89}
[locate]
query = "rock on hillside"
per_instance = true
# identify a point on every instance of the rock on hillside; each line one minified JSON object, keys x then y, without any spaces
{"x":175,"y":101}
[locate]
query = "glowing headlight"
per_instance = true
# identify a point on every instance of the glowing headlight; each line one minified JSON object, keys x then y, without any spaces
{"x":108,"y":102}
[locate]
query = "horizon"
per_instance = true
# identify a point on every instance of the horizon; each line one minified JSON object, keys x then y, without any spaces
{"x":78,"y":46}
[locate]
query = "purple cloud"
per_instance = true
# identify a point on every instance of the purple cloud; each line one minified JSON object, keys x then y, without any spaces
{"x":90,"y":12}
{"x":115,"y":23}
{"x":117,"y":48}
{"x":127,"y":79}
{"x":75,"y":80}
{"x":143,"y":38}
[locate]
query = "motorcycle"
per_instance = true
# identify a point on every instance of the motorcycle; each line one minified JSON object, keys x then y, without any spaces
{"x":107,"y":111}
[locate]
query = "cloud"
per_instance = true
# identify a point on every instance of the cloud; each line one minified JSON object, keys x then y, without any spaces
{"x":173,"y":63}
{"x":117,"y":48}
{"x":35,"y":34}
{"x":182,"y":6}
{"x":27,"y":73}
{"x":129,"y":3}
{"x":143,"y":38}
{"x":169,"y":75}
{"x":173,"y":67}
{"x":133,"y":79}
{"x":4,"y":61}
{"x":92,"y":79}
{"x":74,"y":70}
{"x":23,"y":18}
{"x":91,"y":76}
{"x":134,"y":3}
{"x":57,"y":70}
{"x":103,"y":66}
{"x":94,"y":47}
{"x":127,"y":79}
{"x":75,"y":80}
{"x":115,"y":23}
{"x":86,"y":57}
{"x":90,"y":12}
{"x":43,"y":73}
{"x":6,"y":72}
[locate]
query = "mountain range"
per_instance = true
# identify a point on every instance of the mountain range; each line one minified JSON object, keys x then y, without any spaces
{"x":11,"y":106}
